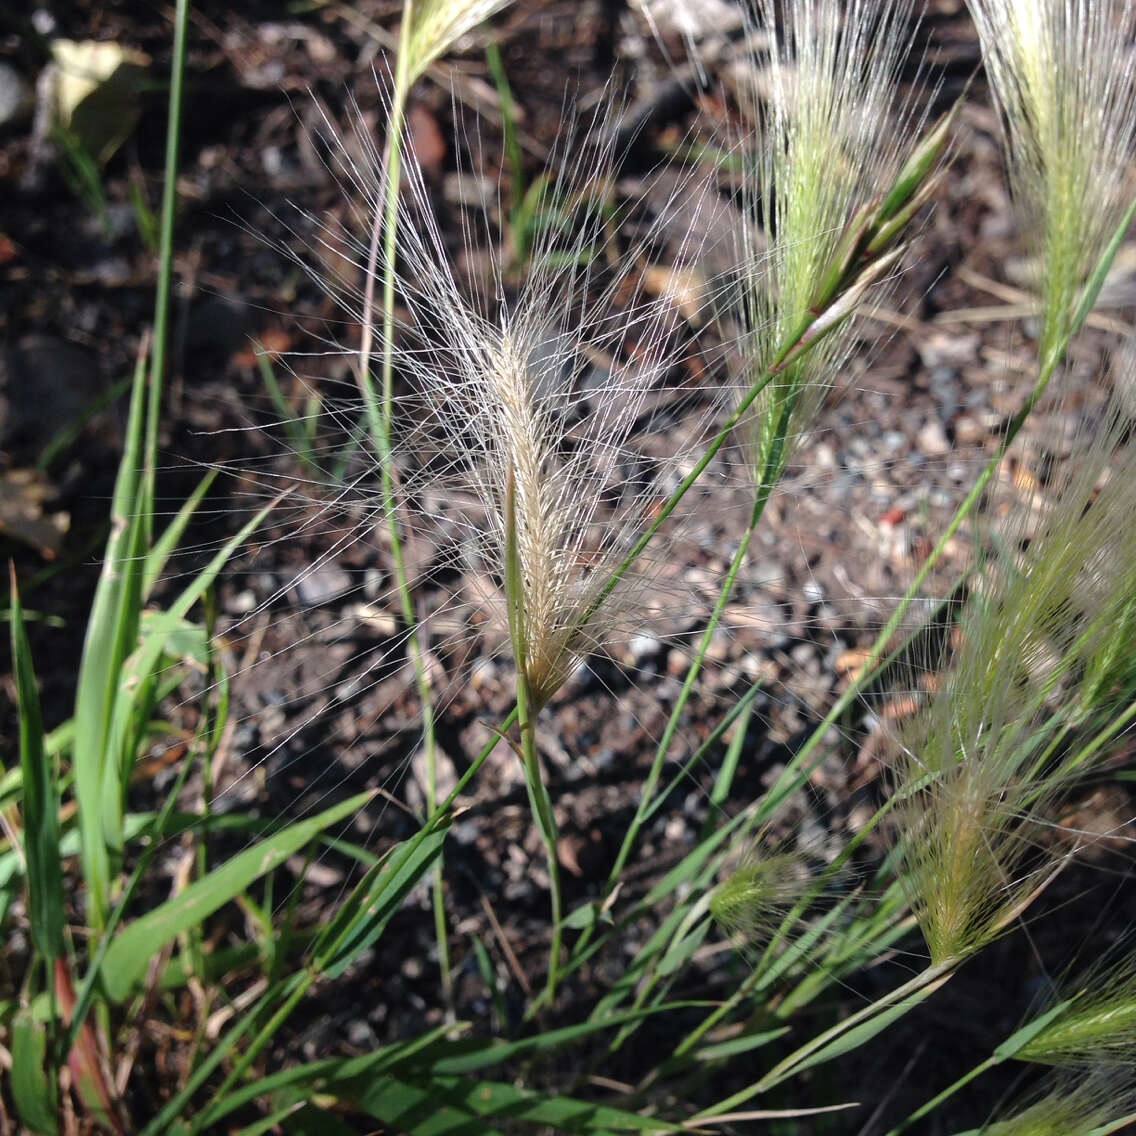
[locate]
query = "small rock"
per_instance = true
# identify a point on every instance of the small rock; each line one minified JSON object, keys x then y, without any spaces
{"x":813,"y":591}
{"x":322,"y":583}
{"x":475,"y":190}
{"x":218,"y":327}
{"x":642,"y":646}
{"x":603,"y":758}
{"x":692,"y":19}
{"x":445,"y":774}
{"x":16,"y":97}
{"x":824,"y":456}
{"x":941,"y":348}
{"x":242,"y":603}
{"x":483,"y":674}
{"x":968,"y":430}
{"x":377,"y":618}
{"x":768,"y":574}
{"x":425,"y":137}
{"x":465,"y":833}
{"x":932,"y":439}
{"x":360,"y":1034}
{"x":720,"y":645}
{"x":372,"y":583}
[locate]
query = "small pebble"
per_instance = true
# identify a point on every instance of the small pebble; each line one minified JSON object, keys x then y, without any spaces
{"x":242,"y":603}
{"x":813,"y":591}
{"x":16,"y":98}
{"x":642,"y":646}
{"x":322,"y":583}
{"x":932,"y":439}
{"x":968,"y":430}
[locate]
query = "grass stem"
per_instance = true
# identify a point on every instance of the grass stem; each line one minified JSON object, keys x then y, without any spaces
{"x":379,"y":407}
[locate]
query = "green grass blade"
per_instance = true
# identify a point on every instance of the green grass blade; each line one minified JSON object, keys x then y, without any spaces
{"x":420,"y":1107}
{"x":846,"y":1035}
{"x":130,"y":953}
{"x":860,"y":1034}
{"x":328,"y":1125}
{"x":135,"y":697}
{"x":165,"y":544}
{"x":419,"y":1110}
{"x":729,"y":767}
{"x":320,"y":1076}
{"x":111,"y":632}
{"x":1008,"y":1049}
{"x":287,"y":994}
{"x":166,"y":1120}
{"x":522,"y":236}
{"x":302,"y":1118}
{"x":157,"y":830}
{"x":165,"y":245}
{"x":40,"y":806}
{"x":33,"y":1090}
{"x":721,"y":1050}
{"x":300,"y":433}
{"x":67,"y":434}
{"x":380,"y":895}
{"x":1096,"y":282}
{"x":739,"y":713}
{"x":113,"y":624}
{"x":1022,"y":1036}
{"x":471,"y":1055}
{"x":489,"y":977}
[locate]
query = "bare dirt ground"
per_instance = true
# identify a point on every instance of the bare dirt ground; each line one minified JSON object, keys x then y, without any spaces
{"x":315,"y":715}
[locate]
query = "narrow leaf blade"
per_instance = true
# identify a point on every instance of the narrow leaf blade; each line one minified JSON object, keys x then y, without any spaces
{"x":130,"y":953}
{"x":40,"y":809}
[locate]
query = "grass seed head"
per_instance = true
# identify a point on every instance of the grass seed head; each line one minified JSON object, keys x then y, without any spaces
{"x":752,"y":901}
{"x":542,"y":392}
{"x":1098,"y":1026}
{"x":1065,"y":80}
{"x":831,"y":129}
{"x":436,"y":25}
{"x":984,"y":763}
{"x":1084,"y":1106}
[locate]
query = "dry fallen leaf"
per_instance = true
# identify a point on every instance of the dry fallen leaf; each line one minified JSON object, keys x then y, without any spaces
{"x":98,"y":89}
{"x":23,"y":493}
{"x":685,"y":288}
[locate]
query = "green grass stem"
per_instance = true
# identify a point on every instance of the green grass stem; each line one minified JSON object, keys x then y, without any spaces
{"x":379,"y":408}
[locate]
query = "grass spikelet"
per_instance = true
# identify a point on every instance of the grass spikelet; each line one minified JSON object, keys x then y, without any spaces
{"x":534,"y":395}
{"x":831,"y":135}
{"x":751,"y":903}
{"x":1004,"y":735}
{"x":1097,"y":1027}
{"x":1064,"y":78}
{"x":1089,"y":1106}
{"x":436,"y":25}
{"x":541,"y":472}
